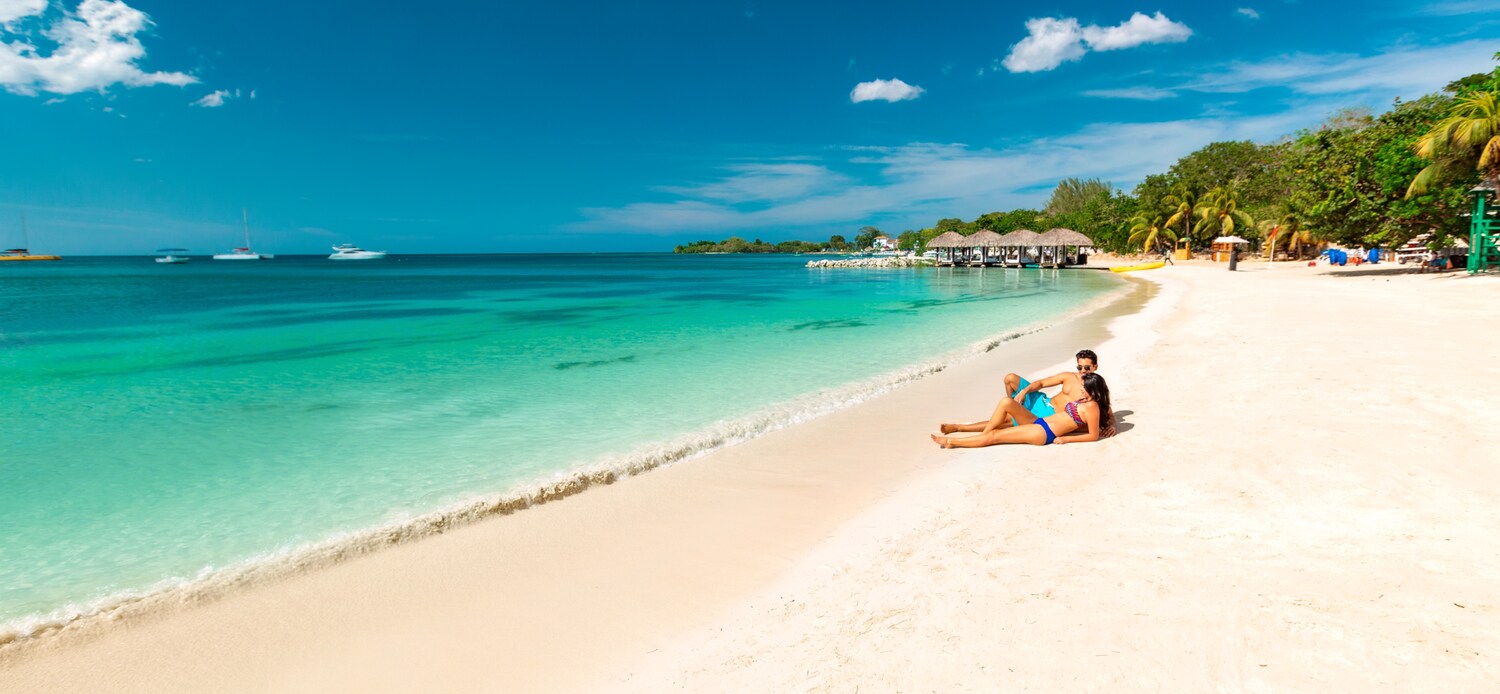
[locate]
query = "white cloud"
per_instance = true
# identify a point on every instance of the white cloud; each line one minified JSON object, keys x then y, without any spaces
{"x":1137,"y":93}
{"x":1457,"y":7}
{"x":914,"y":184}
{"x":764,"y":182}
{"x":97,"y":48}
{"x":1136,"y":31}
{"x":1406,"y":72}
{"x":1247,"y":13}
{"x":1052,"y":41}
{"x":11,"y":10}
{"x":884,"y":90}
{"x":1049,"y":42}
{"x":214,"y":99}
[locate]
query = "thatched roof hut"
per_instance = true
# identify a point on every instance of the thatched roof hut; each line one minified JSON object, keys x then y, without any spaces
{"x":983,"y":238}
{"x":947,"y":239}
{"x":1063,"y":237}
{"x":1020,"y":237}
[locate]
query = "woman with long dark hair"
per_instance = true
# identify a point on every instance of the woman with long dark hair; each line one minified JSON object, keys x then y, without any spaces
{"x":1087,"y":419}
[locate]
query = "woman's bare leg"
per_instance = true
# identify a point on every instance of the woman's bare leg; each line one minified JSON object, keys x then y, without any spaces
{"x":1007,"y":410}
{"x":1021,"y":434}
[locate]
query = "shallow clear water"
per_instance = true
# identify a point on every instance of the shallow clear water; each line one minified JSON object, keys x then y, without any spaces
{"x":160,"y":420}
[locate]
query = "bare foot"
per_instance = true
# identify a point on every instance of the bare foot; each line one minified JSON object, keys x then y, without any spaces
{"x":948,"y":428}
{"x":943,"y":441}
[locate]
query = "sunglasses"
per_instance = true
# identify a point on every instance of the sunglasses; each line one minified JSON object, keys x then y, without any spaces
{"x":1081,"y":367}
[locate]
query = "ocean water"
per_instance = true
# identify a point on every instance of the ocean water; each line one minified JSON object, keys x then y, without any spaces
{"x":164,"y":422}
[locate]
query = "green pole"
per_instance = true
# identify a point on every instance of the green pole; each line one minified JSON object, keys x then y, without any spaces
{"x":1481,"y":242}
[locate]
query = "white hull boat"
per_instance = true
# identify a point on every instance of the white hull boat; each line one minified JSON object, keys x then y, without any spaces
{"x":349,"y":251}
{"x":244,"y":253}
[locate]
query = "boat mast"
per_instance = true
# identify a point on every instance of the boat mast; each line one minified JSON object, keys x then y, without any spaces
{"x":25,"y":234}
{"x":246,"y":214}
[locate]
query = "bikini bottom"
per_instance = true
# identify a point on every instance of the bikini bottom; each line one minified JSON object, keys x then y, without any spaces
{"x":1050,"y":436}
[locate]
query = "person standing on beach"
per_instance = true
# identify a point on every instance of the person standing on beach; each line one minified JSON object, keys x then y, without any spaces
{"x":1166,"y":255}
{"x":1029,"y":396}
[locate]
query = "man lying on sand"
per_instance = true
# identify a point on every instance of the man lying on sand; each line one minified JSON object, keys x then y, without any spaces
{"x":1090,"y":414}
{"x":1031,"y":398}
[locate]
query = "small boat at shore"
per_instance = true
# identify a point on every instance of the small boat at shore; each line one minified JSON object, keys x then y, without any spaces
{"x":349,"y":251}
{"x":22,"y":254}
{"x":1142,"y":266}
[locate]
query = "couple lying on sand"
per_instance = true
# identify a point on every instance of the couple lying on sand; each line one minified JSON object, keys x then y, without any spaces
{"x":1029,"y":416}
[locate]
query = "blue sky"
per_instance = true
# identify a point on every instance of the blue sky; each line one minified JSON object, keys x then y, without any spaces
{"x":543,"y":126}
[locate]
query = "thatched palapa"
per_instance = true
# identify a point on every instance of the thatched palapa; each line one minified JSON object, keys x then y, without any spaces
{"x":1063,"y":237}
{"x":947,"y":239}
{"x":983,"y":238}
{"x":1023,"y":238}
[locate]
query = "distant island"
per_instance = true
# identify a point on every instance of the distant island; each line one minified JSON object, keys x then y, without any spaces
{"x":864,"y":239}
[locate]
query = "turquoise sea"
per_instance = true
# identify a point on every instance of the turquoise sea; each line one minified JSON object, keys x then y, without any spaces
{"x":165,"y":422}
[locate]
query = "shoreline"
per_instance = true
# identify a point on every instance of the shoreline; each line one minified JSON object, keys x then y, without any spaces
{"x":22,"y":636}
{"x":1188,"y":553}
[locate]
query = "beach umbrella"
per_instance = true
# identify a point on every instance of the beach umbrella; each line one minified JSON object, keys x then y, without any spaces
{"x":1230,"y":239}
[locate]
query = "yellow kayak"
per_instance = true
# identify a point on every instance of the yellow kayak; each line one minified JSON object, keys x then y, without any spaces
{"x":1142,"y":266}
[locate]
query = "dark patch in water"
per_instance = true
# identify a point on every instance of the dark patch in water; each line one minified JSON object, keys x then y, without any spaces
{"x":565,"y":365}
{"x":829,"y":324}
{"x":734,"y":297}
{"x":364,"y":314}
{"x":319,"y":407}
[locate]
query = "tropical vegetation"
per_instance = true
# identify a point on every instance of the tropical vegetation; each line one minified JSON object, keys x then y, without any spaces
{"x":1358,"y":179}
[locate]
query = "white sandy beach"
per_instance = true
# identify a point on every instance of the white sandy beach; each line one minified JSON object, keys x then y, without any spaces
{"x":1304,"y":496}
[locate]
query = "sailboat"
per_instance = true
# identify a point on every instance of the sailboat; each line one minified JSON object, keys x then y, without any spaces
{"x":23,"y":253}
{"x":244,"y":252}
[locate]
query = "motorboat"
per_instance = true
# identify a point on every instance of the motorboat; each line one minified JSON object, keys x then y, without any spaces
{"x":349,"y":251}
{"x":244,"y":252}
{"x":171,"y":255}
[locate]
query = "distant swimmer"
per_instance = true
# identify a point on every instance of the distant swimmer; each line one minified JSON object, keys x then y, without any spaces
{"x":1088,"y":418}
{"x":1031,"y":398}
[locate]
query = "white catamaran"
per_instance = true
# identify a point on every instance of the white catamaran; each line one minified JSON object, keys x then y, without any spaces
{"x":243,"y":253}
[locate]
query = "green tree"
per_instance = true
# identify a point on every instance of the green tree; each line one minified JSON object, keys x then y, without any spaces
{"x":1072,"y":195}
{"x":1468,"y":139}
{"x":1180,"y":205}
{"x":1349,"y":179}
{"x":837,"y":242}
{"x":1148,"y":230}
{"x":908,"y":240}
{"x":866,"y":237}
{"x":1219,"y":214}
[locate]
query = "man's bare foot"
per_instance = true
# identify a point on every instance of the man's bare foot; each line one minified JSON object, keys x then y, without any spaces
{"x":948,"y":428}
{"x":943,"y":441}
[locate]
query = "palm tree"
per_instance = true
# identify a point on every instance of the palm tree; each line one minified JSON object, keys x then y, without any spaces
{"x":1469,"y":138}
{"x":1289,"y":233}
{"x":1147,"y":229}
{"x":1181,"y":204}
{"x":1219,"y":213}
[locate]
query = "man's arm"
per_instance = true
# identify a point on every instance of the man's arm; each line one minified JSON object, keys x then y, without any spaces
{"x":1049,"y":382}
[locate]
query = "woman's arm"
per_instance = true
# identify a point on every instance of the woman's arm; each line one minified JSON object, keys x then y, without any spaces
{"x":1090,"y":412}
